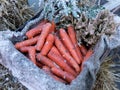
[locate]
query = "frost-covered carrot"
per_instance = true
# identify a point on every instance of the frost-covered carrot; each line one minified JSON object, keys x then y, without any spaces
{"x":52,"y":27}
{"x":28,"y":42}
{"x":46,"y":68}
{"x":36,"y":30}
{"x":72,"y":35}
{"x":48,"y":44}
{"x":65,"y":75}
{"x":66,"y":54}
{"x":33,"y":32}
{"x":83,"y":50}
{"x":43,"y":36}
{"x":31,"y":53}
{"x":60,"y":62}
{"x":67,"y":42}
{"x":55,"y":50}
{"x":24,"y":49}
{"x":48,"y":71}
{"x":44,"y":60}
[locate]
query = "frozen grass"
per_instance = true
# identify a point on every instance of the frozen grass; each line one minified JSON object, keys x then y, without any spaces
{"x":108,"y":76}
{"x":14,"y":13}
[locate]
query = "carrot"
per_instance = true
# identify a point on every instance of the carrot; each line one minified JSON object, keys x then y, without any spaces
{"x":67,"y":42}
{"x":48,"y":44}
{"x":43,"y":36}
{"x":88,"y":55}
{"x":28,"y":42}
{"x":66,"y":54}
{"x":44,"y":60}
{"x":33,"y":32}
{"x":55,"y":50}
{"x":60,"y":62}
{"x":73,"y":38}
{"x":32,"y":53}
{"x":83,"y":50}
{"x":52,"y":27}
{"x":65,"y":75}
{"x":24,"y":49}
{"x":48,"y":71}
{"x":36,"y":30}
{"x":39,"y":64}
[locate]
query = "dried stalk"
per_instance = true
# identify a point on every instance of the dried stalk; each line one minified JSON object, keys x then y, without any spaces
{"x":107,"y":76}
{"x":90,"y":30}
{"x":14,"y":13}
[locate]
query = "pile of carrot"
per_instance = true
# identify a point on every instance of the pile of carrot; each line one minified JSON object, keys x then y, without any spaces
{"x":55,"y":51}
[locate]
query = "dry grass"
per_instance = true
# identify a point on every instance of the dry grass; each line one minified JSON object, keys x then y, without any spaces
{"x":90,"y":30}
{"x":107,"y":76}
{"x":14,"y":13}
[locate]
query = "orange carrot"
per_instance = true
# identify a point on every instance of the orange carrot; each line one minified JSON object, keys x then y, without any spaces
{"x":55,"y":50}
{"x":67,"y":42}
{"x":28,"y":42}
{"x":43,"y":36}
{"x":32,"y":53}
{"x":24,"y":49}
{"x":65,"y":75}
{"x":44,"y":60}
{"x":39,"y":64}
{"x":33,"y":32}
{"x":36,"y":30}
{"x":66,"y":54}
{"x":48,"y":71}
{"x":48,"y":44}
{"x":52,"y":27}
{"x":83,"y":50}
{"x":88,"y":55}
{"x":60,"y":62}
{"x":73,"y":38}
